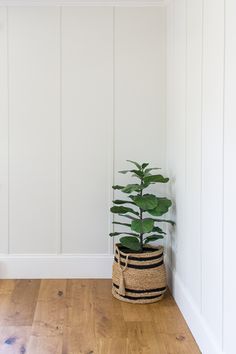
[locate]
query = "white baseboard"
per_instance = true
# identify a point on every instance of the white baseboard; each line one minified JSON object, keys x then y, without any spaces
{"x":55,"y":266}
{"x":192,"y":315}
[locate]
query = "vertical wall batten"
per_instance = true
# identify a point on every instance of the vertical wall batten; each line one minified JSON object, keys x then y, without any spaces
{"x":178,"y":136}
{"x":59,"y":246}
{"x":193,"y":147}
{"x":113,"y":156}
{"x":4,"y":133}
{"x":212,"y":164}
{"x":229,"y":285}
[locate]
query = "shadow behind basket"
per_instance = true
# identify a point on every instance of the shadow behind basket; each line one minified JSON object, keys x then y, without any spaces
{"x":139,"y":277}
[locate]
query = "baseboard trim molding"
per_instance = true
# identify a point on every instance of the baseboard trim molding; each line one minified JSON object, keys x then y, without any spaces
{"x":192,"y":315}
{"x":55,"y":266}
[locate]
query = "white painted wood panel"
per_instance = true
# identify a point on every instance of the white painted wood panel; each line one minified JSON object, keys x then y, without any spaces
{"x":3,"y":131}
{"x":192,"y":240}
{"x":229,"y":284}
{"x":34,"y":129}
{"x":212,"y":164}
{"x":140,"y":61}
{"x":87,"y":116}
{"x":178,"y":136}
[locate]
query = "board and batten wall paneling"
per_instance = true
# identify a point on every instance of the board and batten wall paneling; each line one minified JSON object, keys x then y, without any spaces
{"x":212,"y":164}
{"x":87,"y":118}
{"x":195,"y":163}
{"x":34,"y":129}
{"x":3,"y":132}
{"x":229,"y":284}
{"x":78,"y":85}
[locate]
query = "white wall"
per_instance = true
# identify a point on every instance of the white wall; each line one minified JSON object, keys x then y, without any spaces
{"x":82,"y":89}
{"x":200,"y":153}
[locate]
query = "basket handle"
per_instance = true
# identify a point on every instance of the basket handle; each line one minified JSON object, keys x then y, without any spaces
{"x":121,"y":289}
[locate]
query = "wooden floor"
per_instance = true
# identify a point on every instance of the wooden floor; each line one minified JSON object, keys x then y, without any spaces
{"x":81,"y":317}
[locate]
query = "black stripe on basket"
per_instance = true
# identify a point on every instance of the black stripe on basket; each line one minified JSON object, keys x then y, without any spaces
{"x":142,"y":259}
{"x":135,"y":266}
{"x":141,"y":291}
{"x":140,"y":297}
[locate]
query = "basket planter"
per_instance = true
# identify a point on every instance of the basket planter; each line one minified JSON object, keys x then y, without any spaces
{"x":139,"y":277}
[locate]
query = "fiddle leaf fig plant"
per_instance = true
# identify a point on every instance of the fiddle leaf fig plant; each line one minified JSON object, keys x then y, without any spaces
{"x":143,"y":210}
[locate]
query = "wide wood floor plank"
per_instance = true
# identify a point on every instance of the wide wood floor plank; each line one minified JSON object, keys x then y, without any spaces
{"x":47,"y":328}
{"x":21,"y":304}
{"x":109,"y":318}
{"x":142,"y":339}
{"x":6,"y":289}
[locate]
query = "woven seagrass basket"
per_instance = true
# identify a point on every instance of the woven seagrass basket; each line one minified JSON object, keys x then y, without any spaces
{"x":139,"y":277}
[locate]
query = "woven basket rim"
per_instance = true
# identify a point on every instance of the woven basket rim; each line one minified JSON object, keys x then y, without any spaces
{"x":157,"y":250}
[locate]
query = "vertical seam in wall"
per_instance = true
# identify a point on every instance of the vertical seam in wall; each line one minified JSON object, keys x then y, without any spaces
{"x":165,"y":241}
{"x":165,"y":113}
{"x":201,"y":157}
{"x":185,"y":108}
{"x":223,"y":176}
{"x":8,"y":128}
{"x":112,"y":142}
{"x":114,"y":116}
{"x":59,"y":250}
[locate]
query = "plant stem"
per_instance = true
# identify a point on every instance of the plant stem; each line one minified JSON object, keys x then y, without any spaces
{"x":141,"y":218}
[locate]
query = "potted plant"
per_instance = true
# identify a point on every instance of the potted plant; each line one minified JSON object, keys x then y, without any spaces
{"x":138,"y":270}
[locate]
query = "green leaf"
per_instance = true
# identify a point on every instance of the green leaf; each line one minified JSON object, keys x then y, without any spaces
{"x":112,"y":234}
{"x":151,"y":169}
{"x":158,"y":229}
{"x":164,"y":220}
{"x":122,"y":210}
{"x":125,"y":171}
{"x":119,"y":202}
{"x":144,"y":165}
{"x":145,"y":202}
{"x":137,"y":173}
{"x":163,"y":205}
{"x":121,"y":223}
{"x":155,"y":179}
{"x":130,"y":242}
{"x":132,"y":188}
{"x":152,"y":238}
{"x":136,"y":164}
{"x":118,"y":187}
{"x":142,"y":226}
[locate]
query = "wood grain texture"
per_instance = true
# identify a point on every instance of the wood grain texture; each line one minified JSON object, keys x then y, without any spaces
{"x":82,"y":317}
